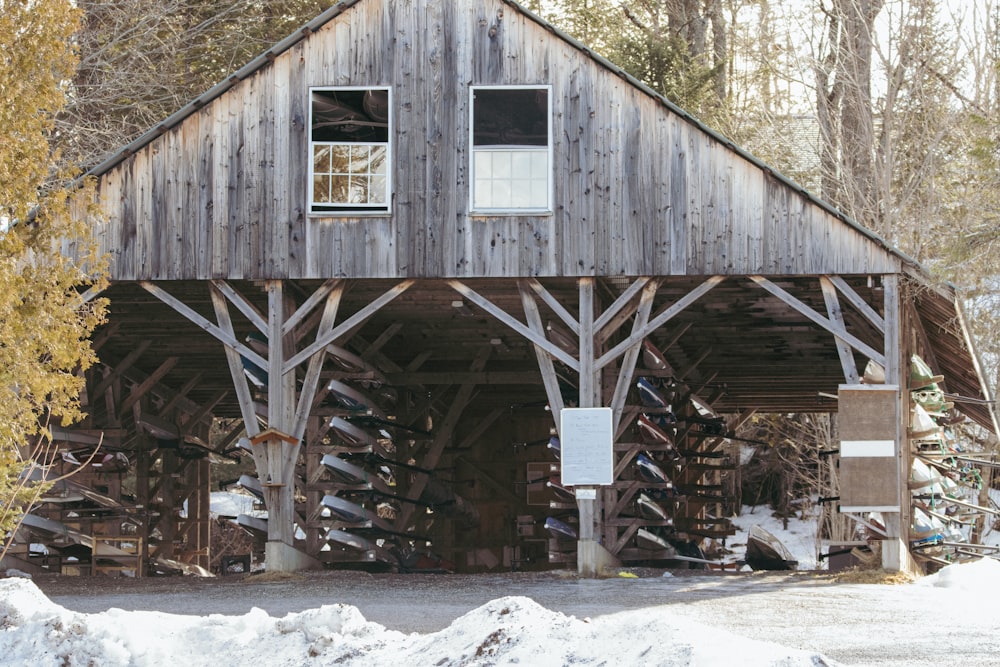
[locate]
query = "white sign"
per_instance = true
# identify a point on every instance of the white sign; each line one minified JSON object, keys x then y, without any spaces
{"x":586,"y":443}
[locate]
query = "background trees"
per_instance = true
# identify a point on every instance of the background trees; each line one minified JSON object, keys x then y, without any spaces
{"x":45,"y":325}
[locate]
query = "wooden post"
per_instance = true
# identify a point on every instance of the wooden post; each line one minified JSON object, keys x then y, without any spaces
{"x":895,"y":552}
{"x":586,"y":554}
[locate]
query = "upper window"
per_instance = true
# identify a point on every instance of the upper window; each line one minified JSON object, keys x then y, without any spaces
{"x":511,"y":148}
{"x":349,"y":131}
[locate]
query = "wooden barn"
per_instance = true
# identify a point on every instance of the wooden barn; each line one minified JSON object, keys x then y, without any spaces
{"x":382,"y":258}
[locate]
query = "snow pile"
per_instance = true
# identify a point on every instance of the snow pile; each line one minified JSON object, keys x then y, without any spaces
{"x":981,"y":577}
{"x":505,"y":631}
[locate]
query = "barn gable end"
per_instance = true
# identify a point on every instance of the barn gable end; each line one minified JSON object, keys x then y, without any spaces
{"x":638,"y":188}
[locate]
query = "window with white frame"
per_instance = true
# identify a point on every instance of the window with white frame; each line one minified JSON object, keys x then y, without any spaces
{"x":511,"y":132}
{"x":349,"y":145}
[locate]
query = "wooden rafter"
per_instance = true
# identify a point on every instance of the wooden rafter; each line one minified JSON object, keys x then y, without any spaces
{"x":616,"y":314}
{"x":249,"y":310}
{"x":554,"y":304}
{"x":119,"y":369}
{"x":860,"y":304}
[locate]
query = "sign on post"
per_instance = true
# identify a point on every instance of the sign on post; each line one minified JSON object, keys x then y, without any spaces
{"x":586,"y":443}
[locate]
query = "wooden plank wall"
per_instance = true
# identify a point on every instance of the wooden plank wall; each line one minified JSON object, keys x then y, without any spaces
{"x":638,"y":190}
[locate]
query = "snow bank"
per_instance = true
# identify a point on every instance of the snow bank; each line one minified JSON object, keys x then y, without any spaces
{"x":506,"y":631}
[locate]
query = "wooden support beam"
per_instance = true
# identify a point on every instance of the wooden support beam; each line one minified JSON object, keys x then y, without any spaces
{"x":589,"y":385}
{"x":242,"y":304}
{"x":311,"y":302}
{"x":484,"y":424}
{"x":617,"y":314}
{"x":554,"y":304}
{"x":227,"y":337}
{"x":181,"y":393}
{"x":383,"y":339}
{"x":818,"y":319}
{"x":631,"y":357}
{"x":308,"y":391}
{"x":204,"y":410}
{"x":442,"y":437}
{"x":240,"y":383}
{"x":859,"y":304}
{"x":503,"y":489}
{"x":347,"y":325}
{"x":657,"y":321}
{"x":119,"y":369}
{"x":834,"y":313}
{"x":545,"y":366}
{"x":146,"y":385}
{"x":539,"y":340}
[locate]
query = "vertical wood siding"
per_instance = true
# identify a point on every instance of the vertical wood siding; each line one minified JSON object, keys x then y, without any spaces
{"x":638,"y":190}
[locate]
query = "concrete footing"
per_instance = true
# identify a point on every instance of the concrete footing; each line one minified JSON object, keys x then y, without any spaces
{"x":279,"y":557}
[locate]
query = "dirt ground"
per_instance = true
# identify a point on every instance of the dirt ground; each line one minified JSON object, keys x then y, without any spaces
{"x":856,"y":624}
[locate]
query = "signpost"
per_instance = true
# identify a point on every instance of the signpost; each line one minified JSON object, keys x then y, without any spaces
{"x":586,"y":437}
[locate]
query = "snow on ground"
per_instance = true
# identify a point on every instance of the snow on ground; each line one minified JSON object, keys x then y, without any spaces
{"x":505,"y":631}
{"x":508,"y":630}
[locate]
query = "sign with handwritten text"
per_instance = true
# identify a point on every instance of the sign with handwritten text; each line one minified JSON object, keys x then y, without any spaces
{"x":586,"y":442}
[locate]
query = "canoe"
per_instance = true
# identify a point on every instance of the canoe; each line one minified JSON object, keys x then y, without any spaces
{"x":651,"y":510}
{"x":649,"y":395}
{"x":354,"y":400}
{"x":345,"y":472}
{"x":651,"y":541}
{"x":554,"y":446}
{"x":649,"y":471}
{"x":348,"y":512}
{"x":652,"y":433}
{"x":559,"y":530}
{"x":766,"y":552}
{"x":345,"y":510}
{"x":923,"y":426}
{"x":252,"y":484}
{"x":255,"y":525}
{"x":348,"y":361}
{"x":921,"y":374}
{"x":352,"y":435}
{"x":349,"y":541}
{"x":562,"y":493}
{"x":653,"y":359}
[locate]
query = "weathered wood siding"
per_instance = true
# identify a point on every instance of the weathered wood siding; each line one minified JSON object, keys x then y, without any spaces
{"x":638,"y":189}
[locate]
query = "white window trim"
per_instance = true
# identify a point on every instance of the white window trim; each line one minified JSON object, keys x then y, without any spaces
{"x":326,"y":209}
{"x":506,"y":211}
